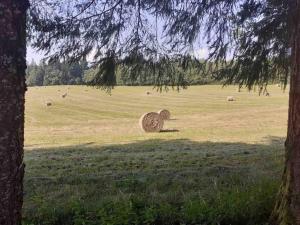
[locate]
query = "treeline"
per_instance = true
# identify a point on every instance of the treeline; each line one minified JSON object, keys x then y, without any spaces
{"x":80,"y":73}
{"x":57,"y":73}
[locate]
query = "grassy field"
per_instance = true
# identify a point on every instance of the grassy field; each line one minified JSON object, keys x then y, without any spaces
{"x":88,"y":162}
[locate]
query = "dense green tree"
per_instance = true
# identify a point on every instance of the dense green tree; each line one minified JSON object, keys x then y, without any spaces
{"x":52,"y":76}
{"x":35,"y":74}
{"x":76,"y":73}
{"x":79,"y":73}
{"x":58,"y":73}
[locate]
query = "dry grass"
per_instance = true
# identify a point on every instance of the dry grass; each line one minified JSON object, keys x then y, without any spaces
{"x":200,"y":113}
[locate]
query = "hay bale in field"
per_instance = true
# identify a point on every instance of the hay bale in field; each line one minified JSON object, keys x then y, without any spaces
{"x":148,"y":93}
{"x":230,"y":98}
{"x":48,"y":103}
{"x":64,"y":95}
{"x":151,"y":122}
{"x":164,"y":114}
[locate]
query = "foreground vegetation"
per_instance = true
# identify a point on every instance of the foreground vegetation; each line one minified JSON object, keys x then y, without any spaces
{"x":87,"y":162}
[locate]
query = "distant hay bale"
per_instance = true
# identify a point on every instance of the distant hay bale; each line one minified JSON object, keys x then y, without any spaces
{"x":151,"y":122}
{"x":148,"y":93}
{"x":164,"y":114}
{"x":230,"y":99}
{"x":48,"y":103}
{"x":64,"y":95}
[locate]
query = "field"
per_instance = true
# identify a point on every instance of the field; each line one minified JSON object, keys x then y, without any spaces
{"x":88,"y":162}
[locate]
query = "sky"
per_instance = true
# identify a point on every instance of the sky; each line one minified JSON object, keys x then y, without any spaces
{"x":33,"y":55}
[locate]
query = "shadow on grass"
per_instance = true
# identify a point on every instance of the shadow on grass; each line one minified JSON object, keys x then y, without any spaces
{"x":169,"y":131}
{"x":179,"y":181}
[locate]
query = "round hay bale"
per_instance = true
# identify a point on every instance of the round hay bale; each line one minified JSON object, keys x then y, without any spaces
{"x":151,"y":122}
{"x":148,"y":93}
{"x":230,"y":99}
{"x":64,"y":95}
{"x":48,"y":103}
{"x":164,"y":114}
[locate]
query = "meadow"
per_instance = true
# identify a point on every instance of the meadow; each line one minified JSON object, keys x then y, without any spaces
{"x":88,"y":162}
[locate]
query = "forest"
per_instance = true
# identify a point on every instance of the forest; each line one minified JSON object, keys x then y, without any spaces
{"x":82,"y":73}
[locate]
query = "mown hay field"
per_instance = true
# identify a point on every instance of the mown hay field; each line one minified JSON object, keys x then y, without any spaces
{"x":88,"y":160}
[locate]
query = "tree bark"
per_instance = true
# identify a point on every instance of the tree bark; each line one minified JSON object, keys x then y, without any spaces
{"x":287,"y":209}
{"x":12,"y":99}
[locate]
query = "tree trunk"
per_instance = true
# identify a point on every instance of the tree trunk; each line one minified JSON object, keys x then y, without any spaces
{"x":12,"y":92}
{"x":287,"y":209}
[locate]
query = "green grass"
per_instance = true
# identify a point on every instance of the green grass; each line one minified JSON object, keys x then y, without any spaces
{"x":87,"y":161}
